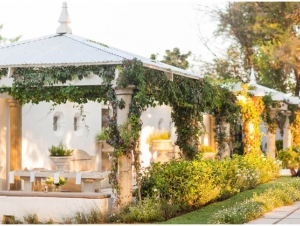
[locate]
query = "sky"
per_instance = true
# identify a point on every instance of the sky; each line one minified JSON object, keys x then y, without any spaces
{"x":141,"y":27}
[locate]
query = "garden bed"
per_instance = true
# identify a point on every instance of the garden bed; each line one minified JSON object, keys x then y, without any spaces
{"x":233,"y":207}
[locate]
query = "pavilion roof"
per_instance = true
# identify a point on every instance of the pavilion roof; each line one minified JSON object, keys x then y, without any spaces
{"x":260,"y":90}
{"x":64,"y":48}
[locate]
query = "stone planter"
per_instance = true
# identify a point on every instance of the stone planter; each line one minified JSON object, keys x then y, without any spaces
{"x":105,"y":147}
{"x":62,"y":162}
{"x":104,"y":157}
{"x":209,"y":155}
{"x":51,"y":188}
{"x":162,"y":147}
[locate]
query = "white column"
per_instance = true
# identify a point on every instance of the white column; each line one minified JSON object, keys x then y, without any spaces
{"x":15,"y":135}
{"x":4,"y":142}
{"x":125,"y":166}
{"x":271,"y":147}
{"x":287,"y":134}
{"x":15,"y":130}
{"x":212,"y":132}
{"x":225,"y":150}
{"x":206,"y":136}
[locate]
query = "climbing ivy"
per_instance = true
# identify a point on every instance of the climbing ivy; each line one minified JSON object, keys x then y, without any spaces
{"x":3,"y":71}
{"x":251,"y":110}
{"x":295,"y":129}
{"x":271,"y":123}
{"x":279,"y":120}
{"x":188,"y":98}
{"x":34,"y":85}
{"x":226,"y":112}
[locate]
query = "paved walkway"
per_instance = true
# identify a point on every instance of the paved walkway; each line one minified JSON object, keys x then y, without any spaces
{"x":281,"y":215}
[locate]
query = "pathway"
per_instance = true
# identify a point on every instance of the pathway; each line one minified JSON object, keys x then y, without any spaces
{"x":280,"y":215}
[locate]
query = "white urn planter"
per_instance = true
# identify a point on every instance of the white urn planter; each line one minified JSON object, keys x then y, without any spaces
{"x":104,"y":160}
{"x":162,"y":147}
{"x":62,"y":162}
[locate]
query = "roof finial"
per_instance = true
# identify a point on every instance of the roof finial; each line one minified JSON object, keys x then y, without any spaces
{"x":252,"y":77}
{"x":64,"y":20}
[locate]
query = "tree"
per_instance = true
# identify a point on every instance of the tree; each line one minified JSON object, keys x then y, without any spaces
{"x":5,"y":40}
{"x":174,"y":58}
{"x":264,"y":35}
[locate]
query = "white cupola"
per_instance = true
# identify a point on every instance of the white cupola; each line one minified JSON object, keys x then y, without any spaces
{"x":64,"y":20}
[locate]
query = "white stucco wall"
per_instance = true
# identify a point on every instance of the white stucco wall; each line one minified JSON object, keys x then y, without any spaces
{"x":38,"y":134}
{"x":4,"y":141}
{"x":151,"y":118}
{"x":50,"y":207}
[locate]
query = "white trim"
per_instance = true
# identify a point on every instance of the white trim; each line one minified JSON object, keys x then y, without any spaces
{"x":63,"y":64}
{"x":5,"y":81}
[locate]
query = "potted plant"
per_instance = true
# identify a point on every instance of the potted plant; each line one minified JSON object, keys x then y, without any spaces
{"x":103,"y":135}
{"x":160,"y":141}
{"x":57,"y":186}
{"x":208,"y":152}
{"x":60,"y":156}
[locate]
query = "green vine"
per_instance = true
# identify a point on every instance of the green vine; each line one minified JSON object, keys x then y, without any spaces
{"x":34,"y":85}
{"x":271,"y":123}
{"x":279,"y":120}
{"x":3,"y":71}
{"x":251,"y":110}
{"x":295,"y":129}
{"x":188,"y":98}
{"x":226,"y":112}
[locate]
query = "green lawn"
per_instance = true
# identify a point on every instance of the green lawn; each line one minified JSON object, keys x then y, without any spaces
{"x":201,"y":216}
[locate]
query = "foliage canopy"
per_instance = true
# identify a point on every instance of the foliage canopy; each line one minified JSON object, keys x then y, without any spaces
{"x":265,"y":35}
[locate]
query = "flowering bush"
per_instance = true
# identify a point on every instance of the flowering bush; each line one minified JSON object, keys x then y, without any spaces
{"x":267,"y":167}
{"x":243,"y":173}
{"x":281,"y":194}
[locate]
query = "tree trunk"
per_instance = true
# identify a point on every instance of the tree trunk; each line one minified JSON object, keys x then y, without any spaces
{"x":297,"y":78}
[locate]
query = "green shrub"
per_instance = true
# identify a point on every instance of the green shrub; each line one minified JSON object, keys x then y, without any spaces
{"x":289,"y":157}
{"x":92,"y":216}
{"x":59,"y":150}
{"x":192,"y":184}
{"x":187,"y":183}
{"x":10,"y":220}
{"x":103,"y":135}
{"x":158,"y":135}
{"x":31,"y":219}
{"x":236,"y":175}
{"x":49,"y":221}
{"x":267,"y":168}
{"x":279,"y":144}
{"x":144,"y":211}
{"x":204,"y":148}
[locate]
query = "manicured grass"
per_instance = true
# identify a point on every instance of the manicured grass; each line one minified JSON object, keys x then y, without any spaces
{"x":202,"y":216}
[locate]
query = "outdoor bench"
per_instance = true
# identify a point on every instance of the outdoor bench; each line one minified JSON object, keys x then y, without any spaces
{"x":90,"y":181}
